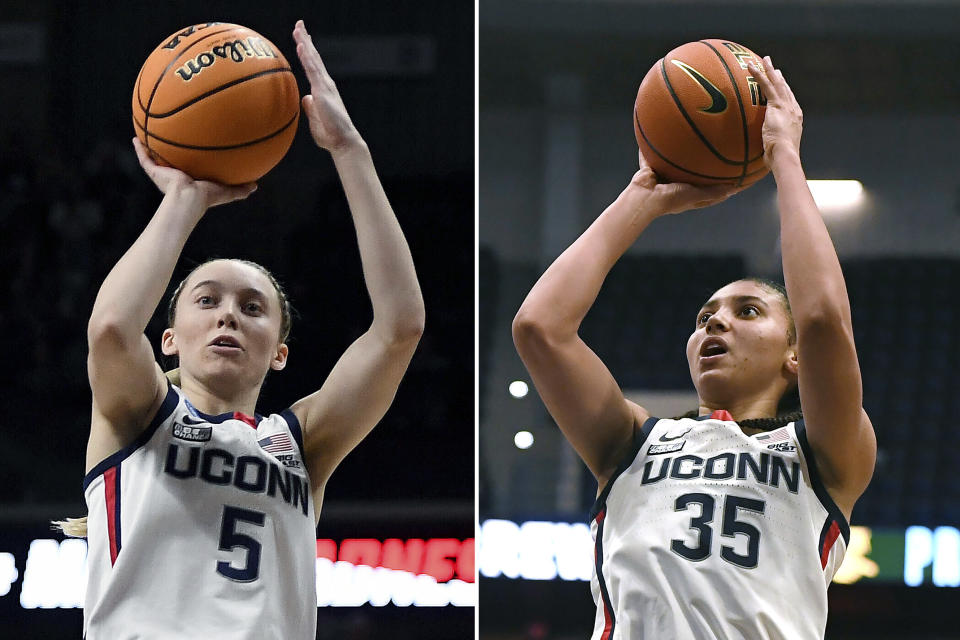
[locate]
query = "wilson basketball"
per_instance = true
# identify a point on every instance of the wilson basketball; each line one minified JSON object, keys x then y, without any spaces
{"x":699,"y":114}
{"x":217,"y":101}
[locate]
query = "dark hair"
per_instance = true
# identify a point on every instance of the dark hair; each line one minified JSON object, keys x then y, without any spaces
{"x":286,"y":313}
{"x":788,"y":408}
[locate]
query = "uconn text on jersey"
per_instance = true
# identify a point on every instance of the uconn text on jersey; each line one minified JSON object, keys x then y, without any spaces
{"x":247,"y":473}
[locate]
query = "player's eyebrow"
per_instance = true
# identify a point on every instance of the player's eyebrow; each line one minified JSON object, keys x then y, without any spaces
{"x":738,"y":300}
{"x":205,"y":283}
{"x":215,"y":284}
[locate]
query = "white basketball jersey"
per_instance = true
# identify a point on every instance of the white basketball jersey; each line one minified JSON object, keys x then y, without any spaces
{"x":202,"y":528}
{"x":704,"y":533}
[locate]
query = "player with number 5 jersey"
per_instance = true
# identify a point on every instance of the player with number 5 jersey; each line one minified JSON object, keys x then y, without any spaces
{"x":202,"y":513}
{"x":728,"y":522}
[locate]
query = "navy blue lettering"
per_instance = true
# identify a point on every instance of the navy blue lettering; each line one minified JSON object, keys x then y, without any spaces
{"x":206,"y":467}
{"x":240,"y":474}
{"x":173,"y":454}
{"x":694,"y":472}
{"x":759,"y":473}
{"x":300,"y":494}
{"x":276,"y":480}
{"x":780,"y":467}
{"x":710,"y":468}
{"x":249,"y":473}
{"x":664,"y":466}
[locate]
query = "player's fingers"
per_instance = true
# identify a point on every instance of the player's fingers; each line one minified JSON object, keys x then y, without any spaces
{"x":244,"y":190}
{"x":222,"y":193}
{"x":642,"y":160}
{"x":776,"y":77}
{"x":141,"y":152}
{"x":787,"y":91}
{"x":310,"y":57}
{"x":766,"y":86}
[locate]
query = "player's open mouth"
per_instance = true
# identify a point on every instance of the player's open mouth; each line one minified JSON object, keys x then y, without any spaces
{"x":712,"y":348}
{"x":225,"y":344}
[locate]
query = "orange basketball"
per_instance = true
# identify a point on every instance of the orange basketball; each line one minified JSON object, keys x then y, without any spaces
{"x":217,"y":101}
{"x":699,"y":114}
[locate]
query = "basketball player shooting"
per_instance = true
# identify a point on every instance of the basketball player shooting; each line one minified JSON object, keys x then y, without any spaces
{"x":202,"y":514}
{"x":729,"y":522}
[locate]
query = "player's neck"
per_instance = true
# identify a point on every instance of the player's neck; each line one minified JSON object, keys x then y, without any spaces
{"x":741,"y":408}
{"x":214,"y":401}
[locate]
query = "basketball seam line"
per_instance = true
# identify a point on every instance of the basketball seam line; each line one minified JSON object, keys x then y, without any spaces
{"x":218,"y":89}
{"x":153,"y":93}
{"x":746,"y":148}
{"x":743,"y":114}
{"x":676,"y":166}
{"x":218,"y":148}
{"x":686,"y":116}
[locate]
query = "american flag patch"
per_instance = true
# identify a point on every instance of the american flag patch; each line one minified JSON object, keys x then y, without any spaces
{"x":276,"y":443}
{"x":779,"y":435}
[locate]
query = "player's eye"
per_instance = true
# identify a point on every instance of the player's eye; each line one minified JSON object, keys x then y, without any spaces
{"x":750,"y":311}
{"x":703,"y":317}
{"x":253,"y":307}
{"x":205,"y":301}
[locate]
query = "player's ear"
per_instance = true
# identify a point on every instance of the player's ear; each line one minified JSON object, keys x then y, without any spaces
{"x":792,"y":363}
{"x":279,"y":360}
{"x":168,"y":343}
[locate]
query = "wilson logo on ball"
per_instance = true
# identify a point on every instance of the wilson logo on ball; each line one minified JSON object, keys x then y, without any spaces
{"x":217,"y":101}
{"x":238,"y":51}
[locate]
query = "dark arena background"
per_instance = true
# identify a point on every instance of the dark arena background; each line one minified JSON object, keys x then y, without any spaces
{"x":877,"y":83}
{"x":395,"y":542}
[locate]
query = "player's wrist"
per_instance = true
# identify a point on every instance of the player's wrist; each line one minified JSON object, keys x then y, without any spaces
{"x":187,"y":199}
{"x":783,"y":157}
{"x":352,"y":147}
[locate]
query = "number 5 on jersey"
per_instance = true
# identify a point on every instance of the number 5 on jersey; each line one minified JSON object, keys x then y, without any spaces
{"x":231,"y":539}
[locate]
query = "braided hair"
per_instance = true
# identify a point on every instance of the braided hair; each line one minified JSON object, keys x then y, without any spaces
{"x":788,"y":408}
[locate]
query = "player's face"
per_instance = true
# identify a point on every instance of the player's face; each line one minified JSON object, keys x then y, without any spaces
{"x":741,"y":344}
{"x":227,"y":325}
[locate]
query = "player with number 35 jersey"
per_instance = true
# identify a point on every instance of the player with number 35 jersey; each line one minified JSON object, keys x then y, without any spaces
{"x":728,"y":522}
{"x":698,"y":507}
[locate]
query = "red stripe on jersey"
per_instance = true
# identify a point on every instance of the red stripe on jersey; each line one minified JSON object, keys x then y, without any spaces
{"x":721,"y":414}
{"x":832,"y":534}
{"x":245,"y":418}
{"x":110,"y":492}
{"x":608,"y":622}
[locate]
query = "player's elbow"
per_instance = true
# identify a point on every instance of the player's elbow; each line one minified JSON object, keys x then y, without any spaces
{"x":405,"y":329}
{"x":531,"y":328}
{"x":411,"y":330}
{"x":823,"y":320}
{"x":105,"y":331}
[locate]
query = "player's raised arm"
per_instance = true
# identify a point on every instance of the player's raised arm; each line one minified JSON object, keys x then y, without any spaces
{"x":830,"y":385}
{"x":127,"y":384}
{"x":362,"y":384}
{"x":575,"y":385}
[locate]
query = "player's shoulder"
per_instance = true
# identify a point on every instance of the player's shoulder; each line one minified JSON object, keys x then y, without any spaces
{"x":111,"y":443}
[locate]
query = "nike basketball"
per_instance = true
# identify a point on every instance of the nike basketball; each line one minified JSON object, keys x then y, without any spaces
{"x":699,"y":114}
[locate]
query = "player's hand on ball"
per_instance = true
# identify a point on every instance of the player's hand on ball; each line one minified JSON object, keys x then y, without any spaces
{"x":170,"y":179}
{"x":783,"y":121}
{"x":330,"y":125}
{"x":676,"y":197}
